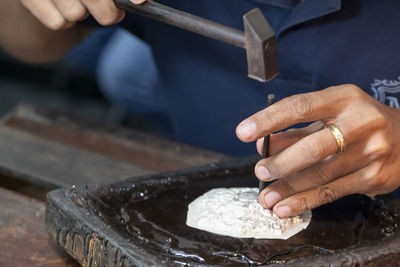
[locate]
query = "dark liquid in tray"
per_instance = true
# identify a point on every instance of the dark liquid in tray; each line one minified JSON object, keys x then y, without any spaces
{"x":154,"y":218}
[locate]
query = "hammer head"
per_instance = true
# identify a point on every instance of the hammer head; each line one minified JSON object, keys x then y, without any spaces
{"x":261,"y":47}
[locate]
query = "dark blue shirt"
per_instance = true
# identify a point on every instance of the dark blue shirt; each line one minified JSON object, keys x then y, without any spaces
{"x":321,"y":43}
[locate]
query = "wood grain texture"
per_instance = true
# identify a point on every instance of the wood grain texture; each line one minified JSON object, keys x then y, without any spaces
{"x":23,"y":238}
{"x":50,"y":150}
{"x":129,"y":145}
{"x":55,"y":165}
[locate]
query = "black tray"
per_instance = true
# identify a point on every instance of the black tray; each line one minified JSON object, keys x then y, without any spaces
{"x":141,"y":222}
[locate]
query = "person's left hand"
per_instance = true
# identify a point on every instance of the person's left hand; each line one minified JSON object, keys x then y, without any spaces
{"x":304,"y":163}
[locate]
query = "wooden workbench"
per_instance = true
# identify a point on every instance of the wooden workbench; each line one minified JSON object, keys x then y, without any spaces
{"x":23,"y":238}
{"x":41,"y":150}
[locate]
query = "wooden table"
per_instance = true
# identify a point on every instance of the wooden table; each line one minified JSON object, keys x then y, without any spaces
{"x":23,"y":238}
{"x":42,"y":150}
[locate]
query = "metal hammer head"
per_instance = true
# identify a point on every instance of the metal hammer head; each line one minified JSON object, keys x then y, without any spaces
{"x":261,"y":47}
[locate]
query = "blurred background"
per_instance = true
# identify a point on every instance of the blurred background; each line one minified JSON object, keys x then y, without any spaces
{"x":97,"y":81}
{"x":62,"y":86}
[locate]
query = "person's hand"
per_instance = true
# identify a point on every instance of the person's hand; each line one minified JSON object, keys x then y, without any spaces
{"x":303,"y":162}
{"x":63,"y":14}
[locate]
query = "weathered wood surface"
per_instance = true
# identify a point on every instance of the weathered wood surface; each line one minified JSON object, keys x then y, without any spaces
{"x":23,"y":188}
{"x":50,"y":150}
{"x":56,"y":165}
{"x":23,"y":239}
{"x":53,"y":150}
{"x":128,"y":145}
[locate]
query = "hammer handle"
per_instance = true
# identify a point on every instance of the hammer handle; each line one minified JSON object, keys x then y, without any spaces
{"x":185,"y":21}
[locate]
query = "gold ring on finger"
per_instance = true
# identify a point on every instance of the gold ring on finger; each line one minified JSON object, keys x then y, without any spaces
{"x":338,"y":136}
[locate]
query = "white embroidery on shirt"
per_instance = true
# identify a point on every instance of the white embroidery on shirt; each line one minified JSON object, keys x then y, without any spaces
{"x":385,"y":91}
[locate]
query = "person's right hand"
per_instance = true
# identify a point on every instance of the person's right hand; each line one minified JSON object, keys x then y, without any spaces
{"x":63,"y":14}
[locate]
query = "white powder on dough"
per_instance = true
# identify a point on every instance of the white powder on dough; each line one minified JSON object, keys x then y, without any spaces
{"x":236,"y":212}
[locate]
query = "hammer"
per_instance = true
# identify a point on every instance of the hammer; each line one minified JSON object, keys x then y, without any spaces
{"x":258,"y":37}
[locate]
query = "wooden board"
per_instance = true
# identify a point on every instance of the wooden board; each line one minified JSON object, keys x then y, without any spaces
{"x":132,"y":146}
{"x":55,"y":165}
{"x":23,"y":239}
{"x":41,"y":150}
{"x":52,"y":150}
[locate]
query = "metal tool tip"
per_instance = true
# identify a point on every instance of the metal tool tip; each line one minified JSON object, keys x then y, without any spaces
{"x":271,"y":99}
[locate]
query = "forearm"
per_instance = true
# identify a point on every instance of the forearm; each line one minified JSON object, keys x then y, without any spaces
{"x":27,"y":39}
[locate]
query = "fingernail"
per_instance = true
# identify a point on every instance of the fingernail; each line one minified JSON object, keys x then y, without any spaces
{"x":283,"y":211}
{"x":138,"y":2}
{"x":272,"y":198}
{"x":247,"y":130}
{"x":262,"y":173}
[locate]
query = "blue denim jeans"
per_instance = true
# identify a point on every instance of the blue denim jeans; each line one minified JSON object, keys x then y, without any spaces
{"x":128,"y":76}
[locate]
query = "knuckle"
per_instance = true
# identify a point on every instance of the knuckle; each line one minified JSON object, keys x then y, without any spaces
{"x":286,"y":186}
{"x":303,"y":204}
{"x":326,"y":194}
{"x":333,"y":89}
{"x":385,"y":149}
{"x":379,"y":148}
{"x":276,"y":168}
{"x":380,"y":120}
{"x":56,"y":23}
{"x":373,"y":180}
{"x":354,"y":91}
{"x":325,"y":174}
{"x":75,"y":14}
{"x":316,"y":150}
{"x":108,"y":19}
{"x":382,"y":151}
{"x":301,"y":105}
{"x":50,"y":19}
{"x":265,"y":117}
